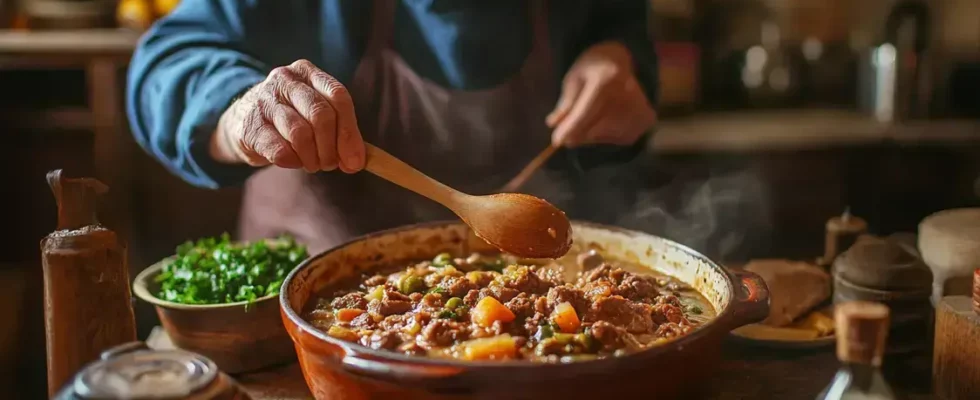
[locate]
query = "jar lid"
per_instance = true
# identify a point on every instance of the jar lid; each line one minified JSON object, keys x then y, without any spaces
{"x":145,"y":374}
{"x":884,"y":264}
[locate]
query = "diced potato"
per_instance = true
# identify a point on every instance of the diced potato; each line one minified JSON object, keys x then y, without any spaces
{"x":348,"y":314}
{"x":493,"y":348}
{"x":342,"y":333}
{"x":565,"y":317}
{"x":490,"y":310}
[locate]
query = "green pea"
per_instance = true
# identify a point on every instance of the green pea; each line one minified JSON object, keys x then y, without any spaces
{"x":409,"y":284}
{"x":453,"y":303}
{"x":443,"y":259}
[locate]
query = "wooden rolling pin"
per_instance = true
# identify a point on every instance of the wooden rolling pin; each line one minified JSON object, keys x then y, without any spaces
{"x":956,"y":357}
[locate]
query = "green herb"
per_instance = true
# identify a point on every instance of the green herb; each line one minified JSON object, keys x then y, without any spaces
{"x":448,"y":314}
{"x":216,"y":271}
{"x":544,"y":332}
{"x":693,"y":309}
{"x":438,"y":290}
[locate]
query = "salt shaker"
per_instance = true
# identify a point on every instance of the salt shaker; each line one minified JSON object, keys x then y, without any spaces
{"x":949,"y":242}
{"x":87,"y":303}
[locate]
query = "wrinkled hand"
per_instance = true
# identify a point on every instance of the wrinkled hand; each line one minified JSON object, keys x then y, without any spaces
{"x":298,"y":117}
{"x":601,"y":100}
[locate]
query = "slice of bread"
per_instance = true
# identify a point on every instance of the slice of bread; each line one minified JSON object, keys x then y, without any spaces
{"x":795,"y":288}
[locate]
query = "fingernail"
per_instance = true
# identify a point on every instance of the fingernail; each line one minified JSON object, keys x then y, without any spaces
{"x":355,"y":161}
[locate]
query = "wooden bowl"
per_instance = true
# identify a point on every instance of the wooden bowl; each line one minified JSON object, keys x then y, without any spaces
{"x":235,"y":338}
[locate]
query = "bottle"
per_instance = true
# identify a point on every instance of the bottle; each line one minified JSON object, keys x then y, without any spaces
{"x":132,"y":371}
{"x":862,"y":328}
{"x":87,"y":301}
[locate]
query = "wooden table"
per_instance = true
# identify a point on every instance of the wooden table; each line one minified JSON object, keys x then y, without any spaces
{"x":746,"y":373}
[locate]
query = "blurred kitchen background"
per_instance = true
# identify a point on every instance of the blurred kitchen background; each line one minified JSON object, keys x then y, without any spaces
{"x":776,"y":115}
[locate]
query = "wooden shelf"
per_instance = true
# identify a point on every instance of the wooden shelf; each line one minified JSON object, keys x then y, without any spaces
{"x":116,"y":41}
{"x":67,"y":119}
{"x":801,"y":130}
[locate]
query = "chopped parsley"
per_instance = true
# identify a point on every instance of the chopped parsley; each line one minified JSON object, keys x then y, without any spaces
{"x":216,"y":271}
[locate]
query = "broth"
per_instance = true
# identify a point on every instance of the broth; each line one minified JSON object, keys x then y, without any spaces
{"x":498,"y":307}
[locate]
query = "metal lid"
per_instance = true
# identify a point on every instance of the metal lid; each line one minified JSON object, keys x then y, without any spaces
{"x":134,"y":372}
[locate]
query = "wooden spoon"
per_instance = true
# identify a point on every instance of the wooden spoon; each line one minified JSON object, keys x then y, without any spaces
{"x":522,"y":177}
{"x":519,"y":224}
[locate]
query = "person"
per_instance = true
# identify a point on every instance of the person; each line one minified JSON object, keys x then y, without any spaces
{"x":275,"y":94}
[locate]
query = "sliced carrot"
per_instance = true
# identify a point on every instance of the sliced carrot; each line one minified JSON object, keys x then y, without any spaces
{"x":348,"y":314}
{"x":565,"y":317}
{"x":488,"y":311}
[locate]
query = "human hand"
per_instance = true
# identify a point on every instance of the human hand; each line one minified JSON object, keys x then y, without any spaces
{"x":298,"y":117}
{"x":601,"y":100}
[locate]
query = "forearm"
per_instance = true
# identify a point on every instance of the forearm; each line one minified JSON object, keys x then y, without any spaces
{"x":175,"y":102}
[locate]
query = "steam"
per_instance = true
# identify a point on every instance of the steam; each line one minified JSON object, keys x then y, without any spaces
{"x":724,"y":215}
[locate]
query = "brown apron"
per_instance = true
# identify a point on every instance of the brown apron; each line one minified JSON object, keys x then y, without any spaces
{"x":471,"y":140}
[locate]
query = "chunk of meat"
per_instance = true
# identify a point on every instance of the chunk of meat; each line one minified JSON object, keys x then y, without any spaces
{"x":667,"y":313}
{"x":672,"y":330}
{"x":598,"y":289}
{"x":500,"y":293}
{"x":457,"y":286}
{"x":568,"y":293}
{"x":376,"y":280}
{"x":604,"y":272}
{"x":352,"y":300}
{"x":504,"y":294}
{"x":532,"y":324}
{"x":552,"y":275}
{"x":363,"y":321}
{"x":481,"y":278}
{"x":392,"y":302}
{"x":634,"y":317}
{"x":472,"y":297}
{"x":523,"y":279}
{"x":522,"y":306}
{"x":613,"y":337}
{"x":443,"y":332}
{"x":637,"y":288}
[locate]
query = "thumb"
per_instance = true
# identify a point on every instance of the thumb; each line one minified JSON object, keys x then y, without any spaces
{"x":569,"y":92}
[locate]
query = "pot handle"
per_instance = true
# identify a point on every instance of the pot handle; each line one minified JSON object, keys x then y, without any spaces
{"x":751,"y":302}
{"x":397,"y":371}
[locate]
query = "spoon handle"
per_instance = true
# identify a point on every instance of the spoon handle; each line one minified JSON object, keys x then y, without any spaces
{"x":396,"y":171}
{"x":522,"y":177}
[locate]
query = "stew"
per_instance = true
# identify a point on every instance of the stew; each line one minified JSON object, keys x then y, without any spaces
{"x":501,"y":308}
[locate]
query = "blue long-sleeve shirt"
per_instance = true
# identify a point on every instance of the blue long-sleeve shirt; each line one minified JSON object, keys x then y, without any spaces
{"x":192,"y":63}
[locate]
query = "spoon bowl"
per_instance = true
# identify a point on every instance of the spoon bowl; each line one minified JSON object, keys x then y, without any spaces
{"x":519,"y":224}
